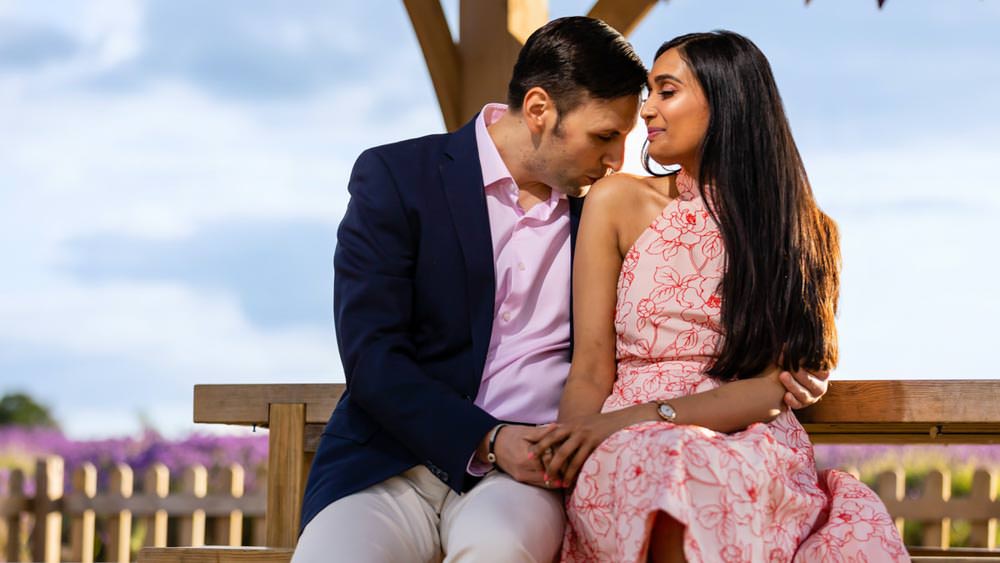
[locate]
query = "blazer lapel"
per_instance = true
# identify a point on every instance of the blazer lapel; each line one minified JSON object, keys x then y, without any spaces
{"x":462,"y":179}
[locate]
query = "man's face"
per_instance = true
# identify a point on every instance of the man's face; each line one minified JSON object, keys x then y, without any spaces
{"x":587,"y":143}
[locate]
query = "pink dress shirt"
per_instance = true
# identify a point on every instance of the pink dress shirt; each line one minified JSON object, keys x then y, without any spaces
{"x":528,"y":358}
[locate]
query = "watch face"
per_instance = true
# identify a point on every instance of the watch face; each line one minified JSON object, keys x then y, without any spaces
{"x":667,"y":412}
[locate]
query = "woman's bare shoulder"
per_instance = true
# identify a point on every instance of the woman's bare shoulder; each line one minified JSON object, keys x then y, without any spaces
{"x":619,"y":189}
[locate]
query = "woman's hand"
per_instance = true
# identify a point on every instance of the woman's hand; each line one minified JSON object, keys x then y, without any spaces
{"x":571,"y":442}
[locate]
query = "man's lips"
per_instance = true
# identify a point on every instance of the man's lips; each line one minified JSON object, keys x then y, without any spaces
{"x":652,"y":132}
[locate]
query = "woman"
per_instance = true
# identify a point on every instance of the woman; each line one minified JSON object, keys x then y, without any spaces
{"x":727,"y":271}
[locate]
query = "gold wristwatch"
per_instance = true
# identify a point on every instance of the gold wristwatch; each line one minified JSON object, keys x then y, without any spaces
{"x":666,"y":412}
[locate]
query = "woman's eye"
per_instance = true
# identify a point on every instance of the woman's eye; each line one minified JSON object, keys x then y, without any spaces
{"x":664,"y":94}
{"x":605,"y":137}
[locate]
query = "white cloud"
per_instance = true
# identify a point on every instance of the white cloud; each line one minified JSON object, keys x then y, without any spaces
{"x":171,"y":336}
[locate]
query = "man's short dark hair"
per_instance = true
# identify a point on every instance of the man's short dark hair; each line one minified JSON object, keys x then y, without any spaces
{"x":574,"y":57}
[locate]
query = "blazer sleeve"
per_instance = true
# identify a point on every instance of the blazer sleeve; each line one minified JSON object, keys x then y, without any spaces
{"x":373,"y":296}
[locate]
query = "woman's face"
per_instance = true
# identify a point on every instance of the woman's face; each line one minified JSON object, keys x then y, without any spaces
{"x":676,"y":113}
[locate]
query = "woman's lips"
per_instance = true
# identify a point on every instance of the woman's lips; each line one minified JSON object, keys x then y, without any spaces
{"x":652,"y":132}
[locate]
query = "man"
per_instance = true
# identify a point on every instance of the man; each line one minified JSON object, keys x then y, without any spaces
{"x":452,"y":304}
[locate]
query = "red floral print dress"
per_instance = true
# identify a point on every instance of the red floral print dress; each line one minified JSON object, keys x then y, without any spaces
{"x":750,"y":496}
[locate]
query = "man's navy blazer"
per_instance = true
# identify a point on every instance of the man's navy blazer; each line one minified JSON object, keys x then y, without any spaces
{"x":414,"y":292}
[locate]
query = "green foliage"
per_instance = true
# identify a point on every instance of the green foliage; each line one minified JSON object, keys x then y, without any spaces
{"x":19,"y":409}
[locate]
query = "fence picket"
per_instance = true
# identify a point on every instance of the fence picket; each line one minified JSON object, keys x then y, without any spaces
{"x":82,"y":526}
{"x":156,"y":483}
{"x":120,"y":524}
{"x":937,"y":490}
{"x":49,"y":482}
{"x":192,"y":527}
{"x":984,"y":495}
{"x":15,"y":521}
{"x":891,"y":488}
{"x":229,"y":529}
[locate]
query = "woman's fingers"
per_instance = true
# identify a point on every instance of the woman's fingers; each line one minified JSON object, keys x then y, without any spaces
{"x":554,"y":436}
{"x":562,"y":454}
{"x":792,"y":401}
{"x":573,"y":470}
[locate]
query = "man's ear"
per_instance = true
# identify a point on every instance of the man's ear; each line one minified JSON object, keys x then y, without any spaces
{"x":539,"y":110}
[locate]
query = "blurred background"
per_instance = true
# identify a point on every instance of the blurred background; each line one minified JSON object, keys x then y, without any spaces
{"x":172,"y":174}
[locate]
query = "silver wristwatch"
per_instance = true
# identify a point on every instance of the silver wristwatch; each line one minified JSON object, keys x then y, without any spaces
{"x":666,"y":411}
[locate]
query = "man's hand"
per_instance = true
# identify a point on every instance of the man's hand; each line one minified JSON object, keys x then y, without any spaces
{"x":513,"y":449}
{"x":564,"y":450}
{"x":804,"y":388}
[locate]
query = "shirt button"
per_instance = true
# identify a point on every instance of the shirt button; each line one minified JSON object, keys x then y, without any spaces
{"x":506,"y":316}
{"x":520,"y":266}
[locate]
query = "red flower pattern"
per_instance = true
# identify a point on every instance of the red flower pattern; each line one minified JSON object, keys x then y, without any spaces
{"x":753,"y":495}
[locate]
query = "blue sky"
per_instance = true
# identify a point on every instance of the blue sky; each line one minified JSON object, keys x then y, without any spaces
{"x":172,"y":174}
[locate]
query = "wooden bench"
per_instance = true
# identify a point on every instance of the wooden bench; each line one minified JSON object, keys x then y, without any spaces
{"x":868,"y":412}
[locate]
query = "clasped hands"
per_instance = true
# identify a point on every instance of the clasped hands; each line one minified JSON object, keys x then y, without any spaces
{"x":551,"y":455}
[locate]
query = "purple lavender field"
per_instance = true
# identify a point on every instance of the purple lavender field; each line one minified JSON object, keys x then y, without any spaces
{"x":20,"y":447}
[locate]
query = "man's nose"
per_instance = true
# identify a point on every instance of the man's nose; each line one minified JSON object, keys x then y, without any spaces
{"x":616,"y":157}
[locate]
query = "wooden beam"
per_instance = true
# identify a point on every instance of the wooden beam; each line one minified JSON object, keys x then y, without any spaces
{"x":490,"y":36}
{"x":623,"y":15}
{"x":248,"y":404}
{"x":965,"y":401}
{"x":215,"y":554}
{"x":524,"y":17}
{"x":441,"y":56}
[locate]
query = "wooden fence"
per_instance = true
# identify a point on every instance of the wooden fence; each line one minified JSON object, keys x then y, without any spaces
{"x":118,"y":520}
{"x":935,"y":507}
{"x":53,"y":526}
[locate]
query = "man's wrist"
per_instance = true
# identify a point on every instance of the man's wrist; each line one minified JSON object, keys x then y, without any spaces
{"x":491,"y":447}
{"x":483,"y":450}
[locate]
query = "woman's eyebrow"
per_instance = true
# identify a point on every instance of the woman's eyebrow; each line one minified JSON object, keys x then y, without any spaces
{"x":661,"y":78}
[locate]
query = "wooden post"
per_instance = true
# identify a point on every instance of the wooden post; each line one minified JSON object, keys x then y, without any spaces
{"x":475,"y":70}
{"x":286,"y":469}
{"x":229,"y":529}
{"x":491,"y":33}
{"x":156,"y":483}
{"x":441,"y":56}
{"x":984,"y":494}
{"x":623,"y":15}
{"x":15,"y":522}
{"x":82,"y":526}
{"x":937,"y":489}
{"x":120,"y":523}
{"x":192,"y":528}
{"x":891,"y":488}
{"x":48,"y":521}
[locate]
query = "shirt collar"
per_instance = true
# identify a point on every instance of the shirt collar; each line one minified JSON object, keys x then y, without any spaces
{"x":494,"y":169}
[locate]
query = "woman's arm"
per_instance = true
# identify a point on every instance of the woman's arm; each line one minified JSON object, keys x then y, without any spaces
{"x":727,"y":408}
{"x":596,"y":268}
{"x":596,"y":265}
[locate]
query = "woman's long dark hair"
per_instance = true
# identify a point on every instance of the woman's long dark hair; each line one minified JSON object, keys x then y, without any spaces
{"x":781,"y":282}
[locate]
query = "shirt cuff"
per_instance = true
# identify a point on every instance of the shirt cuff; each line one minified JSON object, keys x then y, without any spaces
{"x":477,"y":468}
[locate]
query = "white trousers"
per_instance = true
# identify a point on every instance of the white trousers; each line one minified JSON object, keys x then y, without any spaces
{"x":415,"y":517}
